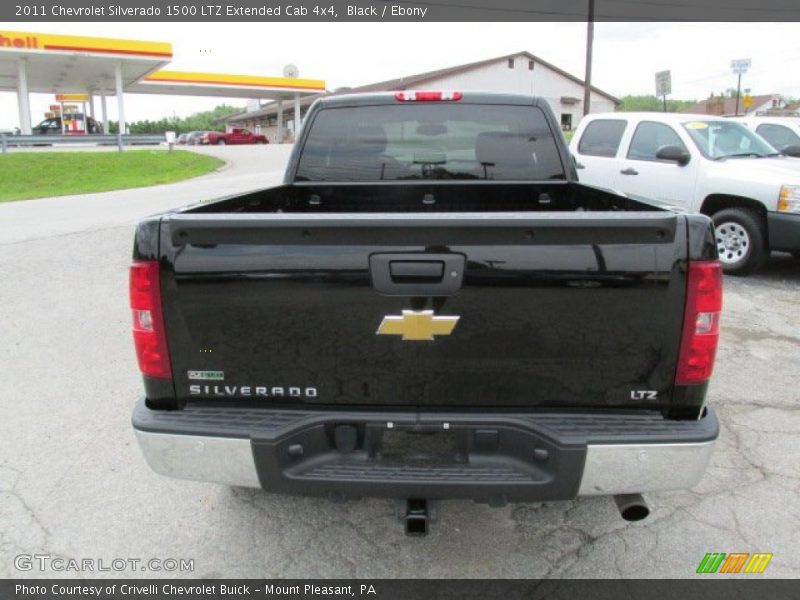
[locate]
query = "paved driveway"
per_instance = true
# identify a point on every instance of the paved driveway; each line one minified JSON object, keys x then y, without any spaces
{"x":74,"y":485}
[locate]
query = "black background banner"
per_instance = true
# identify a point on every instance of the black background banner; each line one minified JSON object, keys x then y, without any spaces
{"x":707,"y":587}
{"x":396,"y":10}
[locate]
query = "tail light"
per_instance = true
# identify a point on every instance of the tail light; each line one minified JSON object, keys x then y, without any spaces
{"x":148,"y":323}
{"x":428,"y":96}
{"x":700,"y":323}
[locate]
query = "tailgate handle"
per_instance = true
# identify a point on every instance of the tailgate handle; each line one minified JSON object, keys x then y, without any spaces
{"x":417,"y":274}
{"x":416,"y":271}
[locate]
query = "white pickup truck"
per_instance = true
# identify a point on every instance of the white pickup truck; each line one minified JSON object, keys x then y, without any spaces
{"x":781,"y":132}
{"x":700,"y":163}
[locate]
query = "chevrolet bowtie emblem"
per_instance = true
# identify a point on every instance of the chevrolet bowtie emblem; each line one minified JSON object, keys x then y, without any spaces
{"x":417,"y":325}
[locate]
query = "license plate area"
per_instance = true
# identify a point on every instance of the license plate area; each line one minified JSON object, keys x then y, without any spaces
{"x":421,"y":447}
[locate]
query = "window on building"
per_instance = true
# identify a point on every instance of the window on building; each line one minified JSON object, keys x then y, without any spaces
{"x":566,"y":122}
{"x":649,"y":137}
{"x":510,"y":63}
{"x":530,"y":65}
{"x":602,"y":137}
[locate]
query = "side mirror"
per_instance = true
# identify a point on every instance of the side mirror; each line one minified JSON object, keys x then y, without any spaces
{"x":674,"y":154}
{"x":575,"y":162}
{"x":793,"y":151}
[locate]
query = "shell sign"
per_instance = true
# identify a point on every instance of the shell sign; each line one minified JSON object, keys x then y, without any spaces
{"x":45,"y":42}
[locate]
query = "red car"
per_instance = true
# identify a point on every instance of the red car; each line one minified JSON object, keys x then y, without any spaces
{"x":234,"y":136}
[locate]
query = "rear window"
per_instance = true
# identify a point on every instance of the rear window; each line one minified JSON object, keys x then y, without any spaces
{"x":602,"y":137}
{"x":416,"y":141}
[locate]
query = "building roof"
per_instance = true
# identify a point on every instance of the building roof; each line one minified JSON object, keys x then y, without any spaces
{"x":404,"y":83}
{"x":711,"y":105}
{"x":271,"y":109}
{"x":411,"y":81}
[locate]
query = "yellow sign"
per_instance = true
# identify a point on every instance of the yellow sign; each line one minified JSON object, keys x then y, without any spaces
{"x":26,"y":41}
{"x":184,"y":77}
{"x":417,"y":325}
{"x":72,"y":97}
{"x":747,"y":101}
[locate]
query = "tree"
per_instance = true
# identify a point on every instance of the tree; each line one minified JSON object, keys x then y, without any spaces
{"x":209,"y":120}
{"x":648,"y":103}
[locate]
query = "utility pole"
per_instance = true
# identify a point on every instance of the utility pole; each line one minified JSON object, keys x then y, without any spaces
{"x":738,"y":93}
{"x":587,"y":86}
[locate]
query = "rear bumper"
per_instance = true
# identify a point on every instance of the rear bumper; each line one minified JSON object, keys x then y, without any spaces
{"x":784,"y":231}
{"x":498,"y":457}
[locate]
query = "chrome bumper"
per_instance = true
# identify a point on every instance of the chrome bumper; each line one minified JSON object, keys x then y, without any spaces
{"x":215,"y":459}
{"x":609,"y":469}
{"x":638,"y":468}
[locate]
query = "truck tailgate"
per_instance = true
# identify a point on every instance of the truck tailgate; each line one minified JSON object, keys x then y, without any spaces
{"x":572,"y":310}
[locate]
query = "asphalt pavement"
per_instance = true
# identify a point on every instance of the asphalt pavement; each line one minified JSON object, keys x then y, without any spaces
{"x":73,"y":484}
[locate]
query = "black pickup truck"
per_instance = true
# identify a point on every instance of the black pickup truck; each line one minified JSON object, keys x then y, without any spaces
{"x":430,"y":307}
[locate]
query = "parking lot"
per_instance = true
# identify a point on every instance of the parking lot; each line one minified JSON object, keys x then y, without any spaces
{"x":73,"y":483}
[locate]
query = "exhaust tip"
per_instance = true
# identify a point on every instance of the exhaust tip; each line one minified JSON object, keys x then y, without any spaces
{"x":632,"y":507}
{"x":635,"y":513}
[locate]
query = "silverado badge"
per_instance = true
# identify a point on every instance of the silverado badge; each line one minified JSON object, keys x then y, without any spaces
{"x":416,"y":325}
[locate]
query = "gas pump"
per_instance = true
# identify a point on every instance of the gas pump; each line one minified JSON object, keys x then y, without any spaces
{"x":73,"y":117}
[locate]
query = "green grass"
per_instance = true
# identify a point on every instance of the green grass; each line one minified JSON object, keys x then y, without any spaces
{"x":26,"y":175}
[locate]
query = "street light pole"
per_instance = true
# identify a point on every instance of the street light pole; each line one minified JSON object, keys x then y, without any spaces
{"x":587,"y":86}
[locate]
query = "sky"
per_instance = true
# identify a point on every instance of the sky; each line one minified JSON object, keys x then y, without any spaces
{"x":626,"y":55}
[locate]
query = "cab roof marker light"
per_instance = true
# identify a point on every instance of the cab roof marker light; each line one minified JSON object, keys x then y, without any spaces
{"x":428,"y":96}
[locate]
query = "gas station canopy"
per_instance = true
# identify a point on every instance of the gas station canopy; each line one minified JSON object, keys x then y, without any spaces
{"x":69,"y":63}
{"x":181,"y":83}
{"x":48,"y":63}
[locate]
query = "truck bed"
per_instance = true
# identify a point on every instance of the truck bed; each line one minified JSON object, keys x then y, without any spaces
{"x":424,"y":197}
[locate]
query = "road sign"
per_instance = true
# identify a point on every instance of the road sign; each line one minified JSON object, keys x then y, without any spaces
{"x":663,"y":83}
{"x":747,"y":101}
{"x":740,"y":66}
